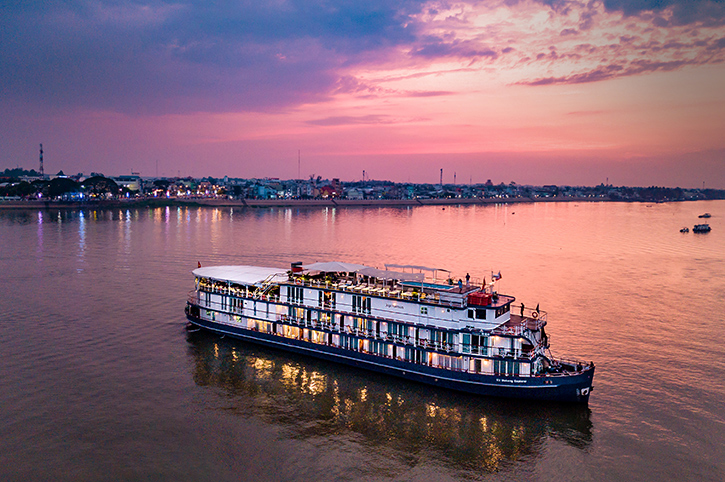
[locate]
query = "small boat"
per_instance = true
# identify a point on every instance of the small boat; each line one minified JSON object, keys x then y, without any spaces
{"x":685,"y":230}
{"x":701,"y":228}
{"x":460,"y":336}
{"x":706,"y":215}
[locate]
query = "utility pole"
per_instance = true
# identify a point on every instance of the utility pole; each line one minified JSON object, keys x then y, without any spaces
{"x":441,"y":177}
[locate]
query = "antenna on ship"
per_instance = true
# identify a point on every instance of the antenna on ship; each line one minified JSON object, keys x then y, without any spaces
{"x":42,"y":174}
{"x":441,"y":177}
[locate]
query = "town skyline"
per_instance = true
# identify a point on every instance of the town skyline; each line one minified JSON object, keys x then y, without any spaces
{"x":537,"y":91}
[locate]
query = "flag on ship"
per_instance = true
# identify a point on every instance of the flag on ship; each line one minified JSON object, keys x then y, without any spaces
{"x":496,"y":277}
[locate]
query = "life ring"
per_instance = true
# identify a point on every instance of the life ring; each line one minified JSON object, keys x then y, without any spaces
{"x":534,"y":314}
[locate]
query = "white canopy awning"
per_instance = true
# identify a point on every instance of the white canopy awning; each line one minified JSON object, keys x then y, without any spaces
{"x":244,"y":275}
{"x":415,"y":267}
{"x":334,"y":267}
{"x":392,"y":275}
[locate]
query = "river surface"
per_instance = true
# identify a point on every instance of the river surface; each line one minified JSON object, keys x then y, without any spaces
{"x":101,"y":379}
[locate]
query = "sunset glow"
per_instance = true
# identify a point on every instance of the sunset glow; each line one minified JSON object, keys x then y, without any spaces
{"x":565,"y":92}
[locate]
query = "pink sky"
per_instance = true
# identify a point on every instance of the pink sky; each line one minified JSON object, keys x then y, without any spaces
{"x":536,"y":92}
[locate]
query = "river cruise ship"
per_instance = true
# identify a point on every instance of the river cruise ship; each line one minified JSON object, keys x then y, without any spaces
{"x":408,"y":321}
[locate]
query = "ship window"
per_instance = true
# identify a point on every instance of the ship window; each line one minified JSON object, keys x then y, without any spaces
{"x":480,"y":314}
{"x":295,"y":294}
{"x":502,"y":310}
{"x":470,"y":314}
{"x":361,"y":304}
{"x":423,"y":310}
{"x":326,"y":299}
{"x":506,"y":367}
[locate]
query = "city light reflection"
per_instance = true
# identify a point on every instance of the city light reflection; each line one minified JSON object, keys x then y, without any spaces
{"x":470,"y":434}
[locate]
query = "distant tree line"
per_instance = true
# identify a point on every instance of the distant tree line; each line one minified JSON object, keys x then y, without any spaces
{"x":96,"y":186}
{"x":17,"y":173}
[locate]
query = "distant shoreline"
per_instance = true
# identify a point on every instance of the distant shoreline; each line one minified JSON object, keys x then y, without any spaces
{"x":302,"y":203}
{"x":281,"y":203}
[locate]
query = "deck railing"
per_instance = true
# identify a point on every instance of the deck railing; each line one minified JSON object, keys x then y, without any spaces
{"x":398,"y":292}
{"x":571,"y":366}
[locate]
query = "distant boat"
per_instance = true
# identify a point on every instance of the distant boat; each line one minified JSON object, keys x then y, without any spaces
{"x":706,"y":215}
{"x":701,"y":228}
{"x":685,"y":230}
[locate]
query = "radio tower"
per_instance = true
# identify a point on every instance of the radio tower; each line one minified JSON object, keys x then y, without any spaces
{"x":42,"y":174}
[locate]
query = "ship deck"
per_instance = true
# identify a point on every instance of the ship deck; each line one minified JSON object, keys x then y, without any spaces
{"x":517,"y":323}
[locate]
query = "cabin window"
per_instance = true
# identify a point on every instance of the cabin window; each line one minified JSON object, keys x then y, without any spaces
{"x":475,"y":344}
{"x":503,"y":309}
{"x":397,"y":330}
{"x":470,"y":314}
{"x":295,"y":294}
{"x":423,"y":310}
{"x":480,"y":314}
{"x":361,"y":304}
{"x":326,"y":299}
{"x":506,"y":367}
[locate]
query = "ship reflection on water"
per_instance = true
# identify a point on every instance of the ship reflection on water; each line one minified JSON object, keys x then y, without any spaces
{"x":313,"y":398}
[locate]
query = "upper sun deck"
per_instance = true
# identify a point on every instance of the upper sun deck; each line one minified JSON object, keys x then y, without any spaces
{"x":355,"y":279}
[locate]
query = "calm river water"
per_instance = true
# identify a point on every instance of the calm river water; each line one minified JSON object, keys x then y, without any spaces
{"x":100,"y":379}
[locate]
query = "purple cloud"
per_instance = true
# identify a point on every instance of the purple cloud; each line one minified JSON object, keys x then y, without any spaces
{"x":160,"y":57}
{"x":610,"y":71}
{"x":434,"y":47}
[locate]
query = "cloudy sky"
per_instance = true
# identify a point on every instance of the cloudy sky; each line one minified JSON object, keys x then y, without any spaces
{"x":532,"y":91}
